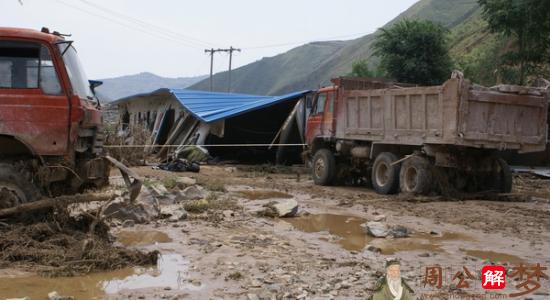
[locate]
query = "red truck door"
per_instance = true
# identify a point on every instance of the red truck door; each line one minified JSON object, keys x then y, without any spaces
{"x":321,"y":119}
{"x":33,"y":106}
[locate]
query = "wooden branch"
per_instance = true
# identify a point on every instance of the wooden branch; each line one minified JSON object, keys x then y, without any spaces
{"x":52,"y":202}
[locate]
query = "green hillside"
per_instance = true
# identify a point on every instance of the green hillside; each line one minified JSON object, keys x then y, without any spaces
{"x":311,"y":65}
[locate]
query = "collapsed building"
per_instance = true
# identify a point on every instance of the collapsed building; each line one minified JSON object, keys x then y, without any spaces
{"x":239,"y":127}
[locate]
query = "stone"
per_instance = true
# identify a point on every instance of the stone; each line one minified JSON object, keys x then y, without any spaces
{"x":379,"y":218}
{"x":377,"y":229}
{"x":128,"y":223}
{"x":144,"y":209}
{"x":158,"y":189}
{"x":56,"y":296}
{"x":194,"y":192}
{"x":372,"y":248}
{"x":251,"y":296}
{"x":400,"y":232}
{"x":286,"y":208}
{"x":186,"y":181}
{"x":174,"y":213}
{"x":228,"y":214}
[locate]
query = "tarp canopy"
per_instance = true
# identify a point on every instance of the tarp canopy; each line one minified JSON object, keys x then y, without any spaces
{"x":213,"y":106}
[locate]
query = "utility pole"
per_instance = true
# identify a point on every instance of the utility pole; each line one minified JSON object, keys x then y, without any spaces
{"x":211,"y":52}
{"x":231,"y":49}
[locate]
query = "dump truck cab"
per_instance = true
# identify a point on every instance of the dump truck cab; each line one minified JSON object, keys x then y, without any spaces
{"x":321,"y":121}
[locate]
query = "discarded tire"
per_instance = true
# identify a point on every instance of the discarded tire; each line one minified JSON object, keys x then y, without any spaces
{"x":323,"y":167}
{"x":385,"y":176}
{"x":416,"y":176}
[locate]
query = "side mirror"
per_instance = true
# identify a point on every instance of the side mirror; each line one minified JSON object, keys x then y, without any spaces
{"x":94,"y":84}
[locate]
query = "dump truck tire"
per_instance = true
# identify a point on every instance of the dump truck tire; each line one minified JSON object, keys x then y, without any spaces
{"x":323,"y":167}
{"x":416,"y":176}
{"x":15,"y":189}
{"x":385,"y":176}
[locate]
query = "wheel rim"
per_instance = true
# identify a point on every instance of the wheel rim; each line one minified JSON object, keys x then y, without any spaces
{"x":10,"y":195}
{"x":411,"y":179}
{"x":319,"y":168}
{"x":382,"y":174}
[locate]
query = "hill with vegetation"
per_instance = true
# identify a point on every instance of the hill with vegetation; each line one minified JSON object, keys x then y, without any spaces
{"x":313,"y":64}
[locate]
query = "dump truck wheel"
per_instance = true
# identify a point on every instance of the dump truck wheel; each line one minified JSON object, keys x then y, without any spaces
{"x":385,"y":176}
{"x":15,"y":189}
{"x":323,"y":167}
{"x":416,"y":176}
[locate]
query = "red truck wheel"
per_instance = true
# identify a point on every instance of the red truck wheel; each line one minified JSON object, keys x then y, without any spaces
{"x":385,"y":176}
{"x":14,"y":188}
{"x":416,"y":176}
{"x":323,"y":167}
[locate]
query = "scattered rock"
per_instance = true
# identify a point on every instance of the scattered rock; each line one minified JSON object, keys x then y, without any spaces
{"x":377,"y":229}
{"x":158,"y":189}
{"x":193,"y":192}
{"x":286,"y":208}
{"x":426,"y":254}
{"x":128,"y":223}
{"x":252,"y":296}
{"x":228,"y":214}
{"x":174,"y":213}
{"x":56,"y":296}
{"x":372,"y":248}
{"x":379,"y":218}
{"x":400,"y":232}
{"x":185,"y":181}
{"x":144,"y":209}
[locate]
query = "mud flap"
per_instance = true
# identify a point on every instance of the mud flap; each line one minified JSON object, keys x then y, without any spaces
{"x":134,"y":187}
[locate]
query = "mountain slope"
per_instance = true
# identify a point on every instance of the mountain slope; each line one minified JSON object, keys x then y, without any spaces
{"x":118,"y":87}
{"x":311,"y":65}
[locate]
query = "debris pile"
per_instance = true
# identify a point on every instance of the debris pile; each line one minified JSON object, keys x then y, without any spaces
{"x":57,"y":244}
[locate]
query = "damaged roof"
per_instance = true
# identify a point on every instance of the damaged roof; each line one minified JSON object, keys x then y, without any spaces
{"x":213,"y":106}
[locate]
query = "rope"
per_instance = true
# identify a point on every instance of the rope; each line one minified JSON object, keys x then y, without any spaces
{"x":220,"y":145}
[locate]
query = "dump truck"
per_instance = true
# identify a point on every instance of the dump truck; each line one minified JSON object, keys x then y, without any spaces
{"x":51,"y":139}
{"x":422,"y":139}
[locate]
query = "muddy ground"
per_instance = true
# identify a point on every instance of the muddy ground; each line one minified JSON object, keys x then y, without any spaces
{"x":226,"y":248}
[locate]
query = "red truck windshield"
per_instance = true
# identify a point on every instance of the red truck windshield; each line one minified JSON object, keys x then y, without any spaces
{"x":78,"y":78}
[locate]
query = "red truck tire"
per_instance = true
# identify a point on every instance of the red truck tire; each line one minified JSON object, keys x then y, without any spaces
{"x":385,"y":176}
{"x":323,"y":167}
{"x":15,"y":189}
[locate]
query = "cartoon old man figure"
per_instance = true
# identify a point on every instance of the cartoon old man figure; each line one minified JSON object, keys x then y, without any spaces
{"x":392,"y":286}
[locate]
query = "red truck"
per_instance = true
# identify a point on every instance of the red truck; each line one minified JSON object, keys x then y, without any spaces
{"x":51,"y":140}
{"x":423,"y":139}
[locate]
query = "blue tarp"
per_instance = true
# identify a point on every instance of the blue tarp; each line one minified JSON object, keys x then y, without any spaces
{"x":213,"y":106}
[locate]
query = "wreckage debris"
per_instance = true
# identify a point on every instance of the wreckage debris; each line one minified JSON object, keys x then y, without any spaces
{"x":180,"y":165}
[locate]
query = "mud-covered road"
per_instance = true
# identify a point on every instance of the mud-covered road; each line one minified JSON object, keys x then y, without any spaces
{"x":227,"y":248}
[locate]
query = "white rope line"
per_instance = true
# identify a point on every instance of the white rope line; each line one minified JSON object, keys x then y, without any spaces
{"x":219,"y":145}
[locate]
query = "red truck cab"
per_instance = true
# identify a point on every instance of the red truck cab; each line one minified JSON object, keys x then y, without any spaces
{"x":321,"y":122}
{"x":50,"y":119}
{"x":45,"y":97}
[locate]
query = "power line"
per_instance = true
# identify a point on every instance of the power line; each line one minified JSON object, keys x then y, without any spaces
{"x":141,"y":30}
{"x":147,"y":24}
{"x":211,"y":53}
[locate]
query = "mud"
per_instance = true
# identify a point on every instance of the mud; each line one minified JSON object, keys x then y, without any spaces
{"x":351,"y":235}
{"x":169,"y":273}
{"x":226,"y":251}
{"x":141,"y":238}
{"x":256,"y":195}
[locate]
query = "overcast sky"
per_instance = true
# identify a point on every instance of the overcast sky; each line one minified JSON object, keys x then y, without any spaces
{"x":168,"y":37}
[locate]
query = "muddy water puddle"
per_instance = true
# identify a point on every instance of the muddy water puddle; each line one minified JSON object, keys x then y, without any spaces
{"x":263,"y":194}
{"x":347,"y":228}
{"x":353,"y":237}
{"x":495,"y":256}
{"x":171,"y":271}
{"x":142,"y":238}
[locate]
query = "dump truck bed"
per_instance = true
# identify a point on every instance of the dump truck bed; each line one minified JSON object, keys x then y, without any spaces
{"x":452,"y":114}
